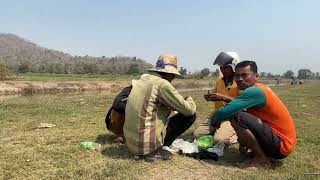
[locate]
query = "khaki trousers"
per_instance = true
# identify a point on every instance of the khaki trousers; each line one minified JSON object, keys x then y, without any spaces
{"x":225,"y":133}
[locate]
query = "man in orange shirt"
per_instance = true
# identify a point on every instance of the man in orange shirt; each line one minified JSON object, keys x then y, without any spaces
{"x":261,"y":121}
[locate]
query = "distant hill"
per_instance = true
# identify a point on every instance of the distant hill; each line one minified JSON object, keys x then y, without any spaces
{"x":22,"y":56}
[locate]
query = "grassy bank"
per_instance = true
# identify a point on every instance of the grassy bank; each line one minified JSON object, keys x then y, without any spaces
{"x":44,"y":77}
{"x":57,"y":83}
{"x":28,"y":152}
{"x":31,"y":83}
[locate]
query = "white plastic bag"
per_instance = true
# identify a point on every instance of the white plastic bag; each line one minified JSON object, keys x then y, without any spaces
{"x":218,"y":149}
{"x":185,"y":146}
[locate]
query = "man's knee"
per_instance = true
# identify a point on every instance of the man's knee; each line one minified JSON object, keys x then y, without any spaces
{"x":240,"y":119}
{"x":240,"y":116}
{"x":187,"y":120}
{"x":235,"y":120}
{"x":191,"y":119}
{"x":233,"y":123}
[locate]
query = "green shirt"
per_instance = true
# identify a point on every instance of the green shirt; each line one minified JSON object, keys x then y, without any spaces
{"x":249,"y":98}
{"x":151,"y":101}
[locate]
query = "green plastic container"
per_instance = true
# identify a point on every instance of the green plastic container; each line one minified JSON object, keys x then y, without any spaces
{"x":205,"y":142}
{"x":90,"y":145}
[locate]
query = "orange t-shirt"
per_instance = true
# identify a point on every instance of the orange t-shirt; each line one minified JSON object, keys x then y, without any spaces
{"x":278,"y":118}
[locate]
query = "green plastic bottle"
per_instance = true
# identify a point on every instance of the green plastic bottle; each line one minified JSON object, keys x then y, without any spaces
{"x":90,"y":145}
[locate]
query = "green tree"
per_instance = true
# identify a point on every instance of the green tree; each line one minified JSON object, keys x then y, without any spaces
{"x":4,"y":72}
{"x":289,"y":74}
{"x":205,"y":72}
{"x":90,"y":68}
{"x":270,"y":75}
{"x":216,"y":73}
{"x":51,"y":67}
{"x":304,"y":74}
{"x":183,"y":71}
{"x":263,"y":74}
{"x":133,"y":69}
{"x":58,"y":68}
{"x":24,"y":67}
{"x":195,"y":75}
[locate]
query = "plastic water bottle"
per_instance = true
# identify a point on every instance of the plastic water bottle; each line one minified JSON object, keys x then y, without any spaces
{"x":90,"y":145}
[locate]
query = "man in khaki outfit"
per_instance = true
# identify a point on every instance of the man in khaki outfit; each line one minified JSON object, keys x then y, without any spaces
{"x":225,"y":87}
{"x":147,"y":126}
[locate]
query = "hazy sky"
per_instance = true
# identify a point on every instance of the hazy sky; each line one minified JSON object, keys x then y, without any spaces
{"x":279,"y":35}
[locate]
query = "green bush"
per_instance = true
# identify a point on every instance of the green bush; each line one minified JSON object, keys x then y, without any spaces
{"x":4,"y":72}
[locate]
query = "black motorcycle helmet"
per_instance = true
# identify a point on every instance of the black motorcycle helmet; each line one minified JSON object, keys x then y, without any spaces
{"x":227,"y":58}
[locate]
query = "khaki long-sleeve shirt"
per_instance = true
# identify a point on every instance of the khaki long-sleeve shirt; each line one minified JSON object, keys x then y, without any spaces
{"x":149,"y":104}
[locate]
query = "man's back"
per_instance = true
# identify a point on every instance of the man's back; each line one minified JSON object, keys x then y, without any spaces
{"x":139,"y":112}
{"x":149,"y":104}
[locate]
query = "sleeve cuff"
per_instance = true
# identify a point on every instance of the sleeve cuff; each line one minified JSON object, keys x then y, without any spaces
{"x":213,"y":122}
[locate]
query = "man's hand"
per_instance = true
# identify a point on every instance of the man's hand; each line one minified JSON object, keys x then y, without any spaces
{"x":213,"y":129}
{"x":188,"y":98}
{"x":217,"y":97}
{"x":207,"y":97}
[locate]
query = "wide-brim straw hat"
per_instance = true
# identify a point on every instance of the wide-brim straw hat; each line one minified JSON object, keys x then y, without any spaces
{"x":166,"y":63}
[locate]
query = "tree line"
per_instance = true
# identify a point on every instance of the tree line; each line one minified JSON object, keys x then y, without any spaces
{"x":83,"y":65}
{"x":289,"y":74}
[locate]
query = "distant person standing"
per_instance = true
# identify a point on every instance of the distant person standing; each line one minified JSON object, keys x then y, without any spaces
{"x":262,"y":122}
{"x":277,"y":81}
{"x":294,"y":81}
{"x":147,"y":126}
{"x":225,"y":89}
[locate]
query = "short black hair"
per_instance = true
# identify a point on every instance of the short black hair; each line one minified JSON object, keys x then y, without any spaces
{"x":252,"y":64}
{"x":165,"y":75}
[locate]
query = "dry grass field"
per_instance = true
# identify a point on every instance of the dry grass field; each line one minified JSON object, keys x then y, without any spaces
{"x":27,"y":152}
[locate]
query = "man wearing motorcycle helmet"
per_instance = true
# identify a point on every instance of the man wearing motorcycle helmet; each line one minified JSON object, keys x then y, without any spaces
{"x":225,"y":89}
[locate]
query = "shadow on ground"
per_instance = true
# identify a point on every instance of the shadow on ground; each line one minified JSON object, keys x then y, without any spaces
{"x":117,"y":152}
{"x":231,"y":157}
{"x":111,"y":149}
{"x":105,"y":139}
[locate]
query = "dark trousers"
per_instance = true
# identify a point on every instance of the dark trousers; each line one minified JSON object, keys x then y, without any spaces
{"x":268,"y":140}
{"x":177,"y":125}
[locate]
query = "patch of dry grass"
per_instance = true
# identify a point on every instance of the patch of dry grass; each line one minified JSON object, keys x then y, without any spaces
{"x":54,"y":153}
